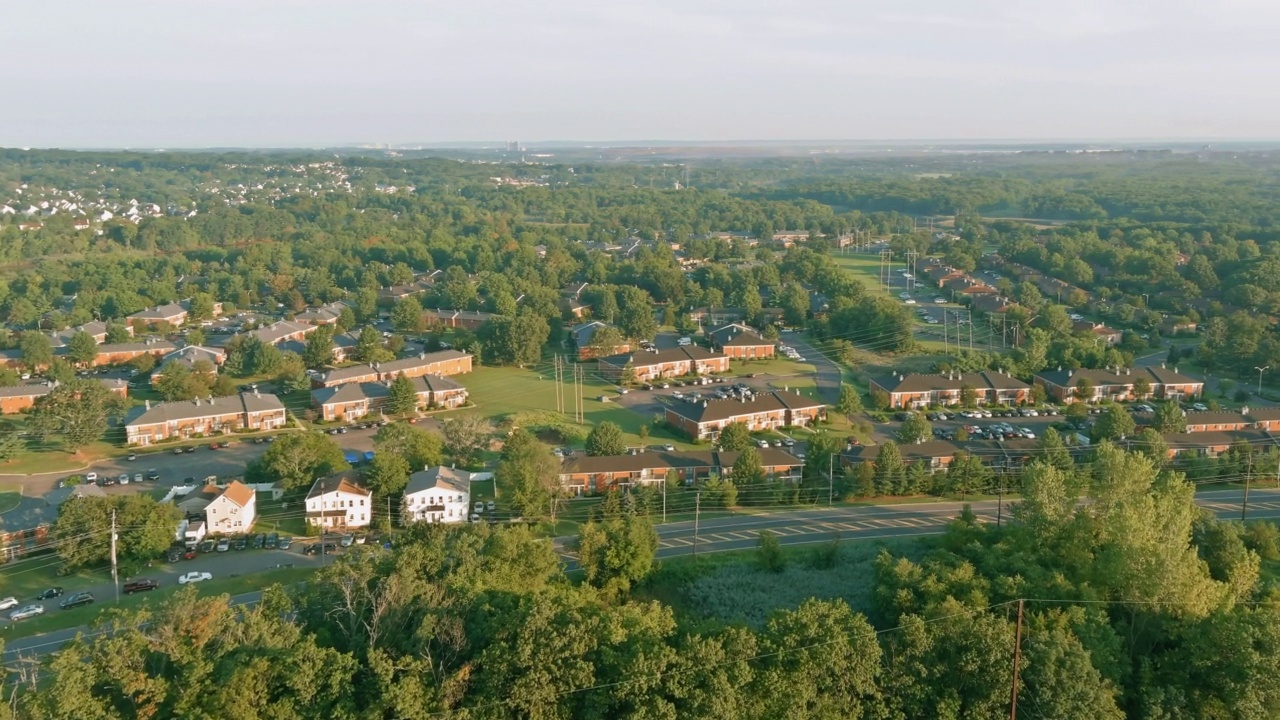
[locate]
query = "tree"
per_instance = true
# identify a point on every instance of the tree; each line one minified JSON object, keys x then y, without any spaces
{"x":968,"y":396}
{"x":201,"y":307}
{"x":60,"y":371}
{"x":177,"y":382}
{"x":769,"y":552}
{"x":82,"y":348}
{"x":635,"y":314}
{"x":465,"y":436}
{"x":83,"y":529}
{"x":407,"y":316}
{"x":296,"y":460}
{"x":1115,"y":423}
{"x":1053,"y":450}
{"x":530,"y":478}
{"x":617,"y":552}
{"x":1084,"y":390}
{"x":1151,"y":443}
{"x":605,"y":341}
{"x":76,"y":413}
{"x":292,"y":376}
{"x":420,"y":448}
{"x":915,"y":429}
{"x":735,"y":436}
{"x":890,"y":469}
{"x":369,"y":346}
{"x":514,"y":340}
{"x":117,"y":333}
{"x":850,"y":402}
{"x":1142,"y":388}
{"x":748,"y":469}
{"x":37,"y":350}
{"x":606,"y":439}
{"x":11,"y":443}
{"x":387,"y":474}
{"x":402,"y":396}
{"x":1169,"y":418}
{"x":319,"y":350}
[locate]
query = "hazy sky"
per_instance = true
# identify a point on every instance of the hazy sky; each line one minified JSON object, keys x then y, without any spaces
{"x":82,"y":73}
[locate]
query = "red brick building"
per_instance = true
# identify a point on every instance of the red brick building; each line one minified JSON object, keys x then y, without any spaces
{"x":444,"y":362}
{"x":677,"y":362}
{"x":741,"y":342}
{"x":920,"y":391}
{"x":1117,"y":384}
{"x":766,"y":411}
{"x":585,"y":474}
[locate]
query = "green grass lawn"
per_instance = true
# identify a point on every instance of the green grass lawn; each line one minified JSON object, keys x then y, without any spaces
{"x":774,"y":366}
{"x":865,"y":267}
{"x":57,"y":619}
{"x":28,"y":576}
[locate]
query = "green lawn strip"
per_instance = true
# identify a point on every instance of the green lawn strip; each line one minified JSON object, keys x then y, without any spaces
{"x":9,"y":500}
{"x":26,"y":577}
{"x":55,"y":618}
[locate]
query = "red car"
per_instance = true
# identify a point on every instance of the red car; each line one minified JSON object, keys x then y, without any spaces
{"x":189,"y":555}
{"x":213,"y":446}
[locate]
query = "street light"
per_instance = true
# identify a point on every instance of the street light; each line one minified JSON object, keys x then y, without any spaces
{"x":1260,"y":369}
{"x":1146,"y":300}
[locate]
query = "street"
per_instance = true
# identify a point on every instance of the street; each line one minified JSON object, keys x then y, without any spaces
{"x":720,"y":534}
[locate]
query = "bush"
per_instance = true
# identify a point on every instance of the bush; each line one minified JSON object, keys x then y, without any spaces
{"x":1264,"y":539}
{"x":769,"y":552}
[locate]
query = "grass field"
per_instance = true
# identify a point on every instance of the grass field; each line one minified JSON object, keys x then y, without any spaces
{"x":57,"y":619}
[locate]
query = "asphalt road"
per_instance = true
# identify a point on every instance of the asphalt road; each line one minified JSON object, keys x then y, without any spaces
{"x":826,"y":374}
{"x":721,"y":534}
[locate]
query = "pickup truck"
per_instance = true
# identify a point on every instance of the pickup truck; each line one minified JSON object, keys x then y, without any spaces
{"x":143,"y":585}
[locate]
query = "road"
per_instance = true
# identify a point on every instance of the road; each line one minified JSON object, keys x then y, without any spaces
{"x":826,"y":374}
{"x":721,"y":534}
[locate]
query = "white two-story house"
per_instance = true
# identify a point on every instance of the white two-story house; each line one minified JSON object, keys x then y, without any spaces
{"x":437,"y":494}
{"x":339,"y":501}
{"x":234,"y":509}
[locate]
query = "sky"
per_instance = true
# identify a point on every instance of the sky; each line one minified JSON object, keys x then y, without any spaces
{"x":309,"y":73}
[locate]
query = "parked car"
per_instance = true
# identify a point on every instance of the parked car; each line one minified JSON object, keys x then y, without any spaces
{"x":224,"y":444}
{"x":208,"y":546}
{"x":26,"y":612}
{"x":762,"y":443}
{"x":478,"y":506}
{"x":1201,"y":407}
{"x":132,"y":456}
{"x":474,"y":518}
{"x":50,"y":594}
{"x":153,"y":474}
{"x":194,"y":576}
{"x":240,"y":543}
{"x":91,"y":477}
{"x":137,"y":477}
{"x":178,"y":451}
{"x":490,"y":506}
{"x":285,"y":543}
{"x":224,"y":545}
{"x":173,"y":555}
{"x":75,"y":601}
{"x":140,"y":585}
{"x":326,"y":548}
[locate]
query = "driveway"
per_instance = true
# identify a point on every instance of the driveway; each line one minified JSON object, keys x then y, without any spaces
{"x":826,"y":374}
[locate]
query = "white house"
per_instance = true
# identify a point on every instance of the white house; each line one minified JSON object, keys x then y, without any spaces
{"x":437,"y":494}
{"x":234,"y":509}
{"x":339,"y":501}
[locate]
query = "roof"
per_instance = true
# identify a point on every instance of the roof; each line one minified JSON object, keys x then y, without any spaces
{"x":349,"y":393}
{"x":439,"y":477}
{"x":1271,"y":413}
{"x":1124,"y":376}
{"x":417,"y":361}
{"x":277,"y":331}
{"x":194,"y":353}
{"x":146,"y":346}
{"x":1191,"y":441}
{"x":916,"y":382}
{"x":737,"y":334}
{"x":714,"y":410}
{"x":910,"y":451}
{"x":347,"y":481}
{"x":662,"y":459}
{"x":238,"y":493}
{"x":583,"y":333}
{"x":160,"y":312}
{"x":1218,"y":417}
{"x":197,"y":500}
{"x":57,"y":496}
{"x":247,"y":402}
{"x":673,"y":355}
{"x":35,"y":389}
{"x":436,"y":383}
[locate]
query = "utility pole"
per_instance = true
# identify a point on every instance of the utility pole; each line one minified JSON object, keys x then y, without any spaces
{"x":886,"y":269}
{"x":911,"y":265}
{"x":1017,"y":659}
{"x":115,"y":574}
{"x":664,"y":500}
{"x":559,"y":386}
{"x":1248,"y":473}
{"x":831,"y":480}
{"x":968,"y":318}
{"x":945,"y":346}
{"x":1260,"y":369}
{"x":999,"y":503}
{"x":697,"y":510}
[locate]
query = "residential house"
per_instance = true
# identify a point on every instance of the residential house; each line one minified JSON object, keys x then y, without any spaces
{"x":586,"y":474}
{"x":117,"y":353}
{"x":173,"y":314}
{"x":584,"y":333}
{"x":1219,"y":421}
{"x":344,"y":346}
{"x":339,"y":502}
{"x":1117,"y":384}
{"x":992,"y":304}
{"x":394,"y":293}
{"x":437,"y":495}
{"x":225,"y":510}
{"x":574,"y":290}
{"x":352,"y":401}
{"x":715,"y":317}
{"x":283,"y":330}
{"x":443,"y":362}
{"x":20,"y":398}
{"x":935,"y":454}
{"x":323,"y":315}
{"x":916,"y":390}
{"x":96,"y":329}
{"x":247,"y":411}
{"x":741,"y":342}
{"x":1109,"y":336}
{"x":467,"y":319}
{"x":188,"y":356}
{"x":656,"y":364}
{"x":766,"y":411}
{"x":571,"y":307}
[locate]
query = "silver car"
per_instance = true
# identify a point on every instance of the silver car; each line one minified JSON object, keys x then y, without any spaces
{"x":26,"y":612}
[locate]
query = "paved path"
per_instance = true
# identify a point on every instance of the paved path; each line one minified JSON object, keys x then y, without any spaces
{"x":826,"y":374}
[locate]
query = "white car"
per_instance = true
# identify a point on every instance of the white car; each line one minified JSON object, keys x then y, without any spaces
{"x":91,"y":477}
{"x":904,"y":295}
{"x":1026,"y":433}
{"x":8,"y":602}
{"x":1200,"y":407}
{"x":194,"y":576}
{"x":909,"y":301}
{"x":26,"y":612}
{"x":762,"y":443}
{"x":940,"y":301}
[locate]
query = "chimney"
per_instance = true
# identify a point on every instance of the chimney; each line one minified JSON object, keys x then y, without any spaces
{"x":1128,"y":371}
{"x":1059,"y":368}
{"x":197,"y":402}
{"x":1175,"y":368}
{"x":1071,"y":373}
{"x":210,"y":400}
{"x":1161,"y":366}
{"x":148,"y":403}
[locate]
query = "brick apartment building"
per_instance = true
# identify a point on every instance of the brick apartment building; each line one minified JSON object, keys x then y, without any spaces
{"x":741,"y":342}
{"x":444,"y":362}
{"x":677,"y":362}
{"x":1117,"y":384}
{"x":918,"y":391}
{"x":212,"y":416}
{"x":585,"y":474}
{"x":766,"y":411}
